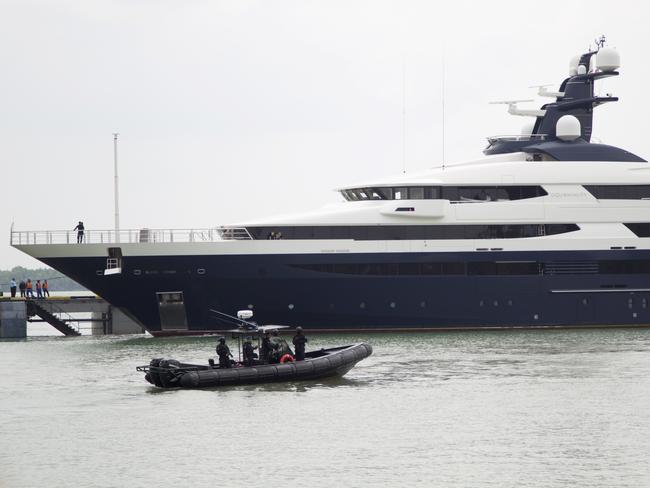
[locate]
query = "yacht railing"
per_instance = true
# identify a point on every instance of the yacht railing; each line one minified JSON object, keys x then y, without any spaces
{"x":24,"y":237}
{"x":517,"y":138}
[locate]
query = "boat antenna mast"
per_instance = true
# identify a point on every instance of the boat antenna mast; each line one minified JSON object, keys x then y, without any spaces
{"x":116,"y":189}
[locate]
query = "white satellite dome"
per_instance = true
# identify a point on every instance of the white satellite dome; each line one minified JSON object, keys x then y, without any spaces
{"x":582,"y":70}
{"x":245,"y":314}
{"x":568,"y":128}
{"x":573,"y":65}
{"x":608,"y":59}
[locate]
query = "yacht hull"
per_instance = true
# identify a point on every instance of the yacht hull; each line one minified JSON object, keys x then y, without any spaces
{"x":332,"y":292}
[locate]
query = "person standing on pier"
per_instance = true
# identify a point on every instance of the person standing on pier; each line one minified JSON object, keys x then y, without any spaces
{"x":12,"y":287}
{"x":299,"y":341}
{"x":22,"y":287}
{"x":46,"y":289}
{"x":80,"y":232}
{"x":39,"y":289}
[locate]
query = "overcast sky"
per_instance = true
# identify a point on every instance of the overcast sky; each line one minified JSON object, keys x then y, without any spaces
{"x":231,"y":110}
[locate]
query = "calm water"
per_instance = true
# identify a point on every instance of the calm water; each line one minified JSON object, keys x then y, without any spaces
{"x":490,"y":409}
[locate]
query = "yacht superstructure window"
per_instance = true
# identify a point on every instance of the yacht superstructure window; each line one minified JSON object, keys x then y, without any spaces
{"x":456,"y":194}
{"x":619,"y":192}
{"x":641,"y":229}
{"x":413,"y":232}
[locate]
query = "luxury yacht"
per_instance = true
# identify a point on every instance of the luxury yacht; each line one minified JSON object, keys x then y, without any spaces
{"x":548,"y":229}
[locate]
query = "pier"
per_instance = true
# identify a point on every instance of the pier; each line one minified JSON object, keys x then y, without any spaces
{"x":70,"y":315}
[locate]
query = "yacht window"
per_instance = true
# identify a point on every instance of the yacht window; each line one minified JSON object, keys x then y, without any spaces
{"x":619,"y":192}
{"x":399,"y":194}
{"x":385,"y":193}
{"x":416,"y":193}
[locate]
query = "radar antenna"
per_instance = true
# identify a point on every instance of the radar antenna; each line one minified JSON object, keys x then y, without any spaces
{"x":600,"y":42}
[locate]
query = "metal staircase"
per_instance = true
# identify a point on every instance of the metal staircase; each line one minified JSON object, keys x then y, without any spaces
{"x":34,"y":307}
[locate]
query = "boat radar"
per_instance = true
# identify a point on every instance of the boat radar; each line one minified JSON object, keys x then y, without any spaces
{"x":562,"y":128}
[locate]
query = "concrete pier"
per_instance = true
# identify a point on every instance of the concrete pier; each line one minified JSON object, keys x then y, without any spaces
{"x":69,"y":315}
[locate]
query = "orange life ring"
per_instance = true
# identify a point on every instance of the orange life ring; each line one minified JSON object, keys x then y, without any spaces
{"x":287,"y":358}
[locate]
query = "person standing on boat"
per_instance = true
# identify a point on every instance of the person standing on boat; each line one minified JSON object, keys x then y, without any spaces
{"x":29,"y":290}
{"x":223,"y":351}
{"x":22,"y":286}
{"x":265,"y":349}
{"x":39,"y":289}
{"x":249,"y":352}
{"x":12,"y":287}
{"x":46,"y":289}
{"x":80,"y":232}
{"x":299,"y":341}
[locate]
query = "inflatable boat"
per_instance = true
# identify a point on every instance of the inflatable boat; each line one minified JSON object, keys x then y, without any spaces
{"x":323,"y":363}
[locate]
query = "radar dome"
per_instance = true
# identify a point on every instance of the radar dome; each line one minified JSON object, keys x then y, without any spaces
{"x":573,"y":65}
{"x":582,"y":69}
{"x":608,"y":59}
{"x":245,"y":314}
{"x":568,"y":128}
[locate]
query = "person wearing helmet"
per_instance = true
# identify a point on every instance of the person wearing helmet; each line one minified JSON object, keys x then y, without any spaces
{"x":299,"y":341}
{"x":223,"y":351}
{"x":265,"y":348}
{"x":249,"y":352}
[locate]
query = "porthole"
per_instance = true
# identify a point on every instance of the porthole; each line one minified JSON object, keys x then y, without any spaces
{"x":362,"y":305}
{"x":536,"y":317}
{"x":200,"y":271}
{"x":423,"y":304}
{"x":290,"y":306}
{"x":393,"y":304}
{"x":495,"y":303}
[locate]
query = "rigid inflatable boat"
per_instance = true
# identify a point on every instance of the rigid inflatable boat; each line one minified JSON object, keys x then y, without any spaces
{"x":336,"y":361}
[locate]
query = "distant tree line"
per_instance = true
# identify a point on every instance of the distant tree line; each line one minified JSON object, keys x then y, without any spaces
{"x":56,"y":280}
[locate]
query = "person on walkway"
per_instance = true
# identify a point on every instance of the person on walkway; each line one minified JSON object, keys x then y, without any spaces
{"x":80,"y":232}
{"x":22,"y":286}
{"x":39,"y":289}
{"x":46,"y":289}
{"x":249,"y":353}
{"x":223,"y":351}
{"x":299,"y":341}
{"x":12,"y":287}
{"x":29,"y":291}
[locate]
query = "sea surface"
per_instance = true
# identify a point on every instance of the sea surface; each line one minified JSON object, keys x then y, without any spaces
{"x":545,"y":408}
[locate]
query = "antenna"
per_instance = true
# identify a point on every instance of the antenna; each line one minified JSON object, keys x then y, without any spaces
{"x":442,"y":114}
{"x":600,"y":42}
{"x":116,"y":190}
{"x":403,"y":114}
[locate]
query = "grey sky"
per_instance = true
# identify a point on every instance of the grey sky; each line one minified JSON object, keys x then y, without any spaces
{"x":234,"y":110}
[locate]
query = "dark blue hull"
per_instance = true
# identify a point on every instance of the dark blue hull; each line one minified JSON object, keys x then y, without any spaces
{"x":340,"y":292}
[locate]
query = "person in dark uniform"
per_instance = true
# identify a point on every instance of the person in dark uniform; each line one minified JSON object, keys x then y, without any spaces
{"x":223,"y":351}
{"x":22,"y":286}
{"x":249,"y":353}
{"x":80,"y":232}
{"x":299,"y":341}
{"x":265,"y":349}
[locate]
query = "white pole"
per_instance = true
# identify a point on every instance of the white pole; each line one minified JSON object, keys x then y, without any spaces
{"x":116,"y":190}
